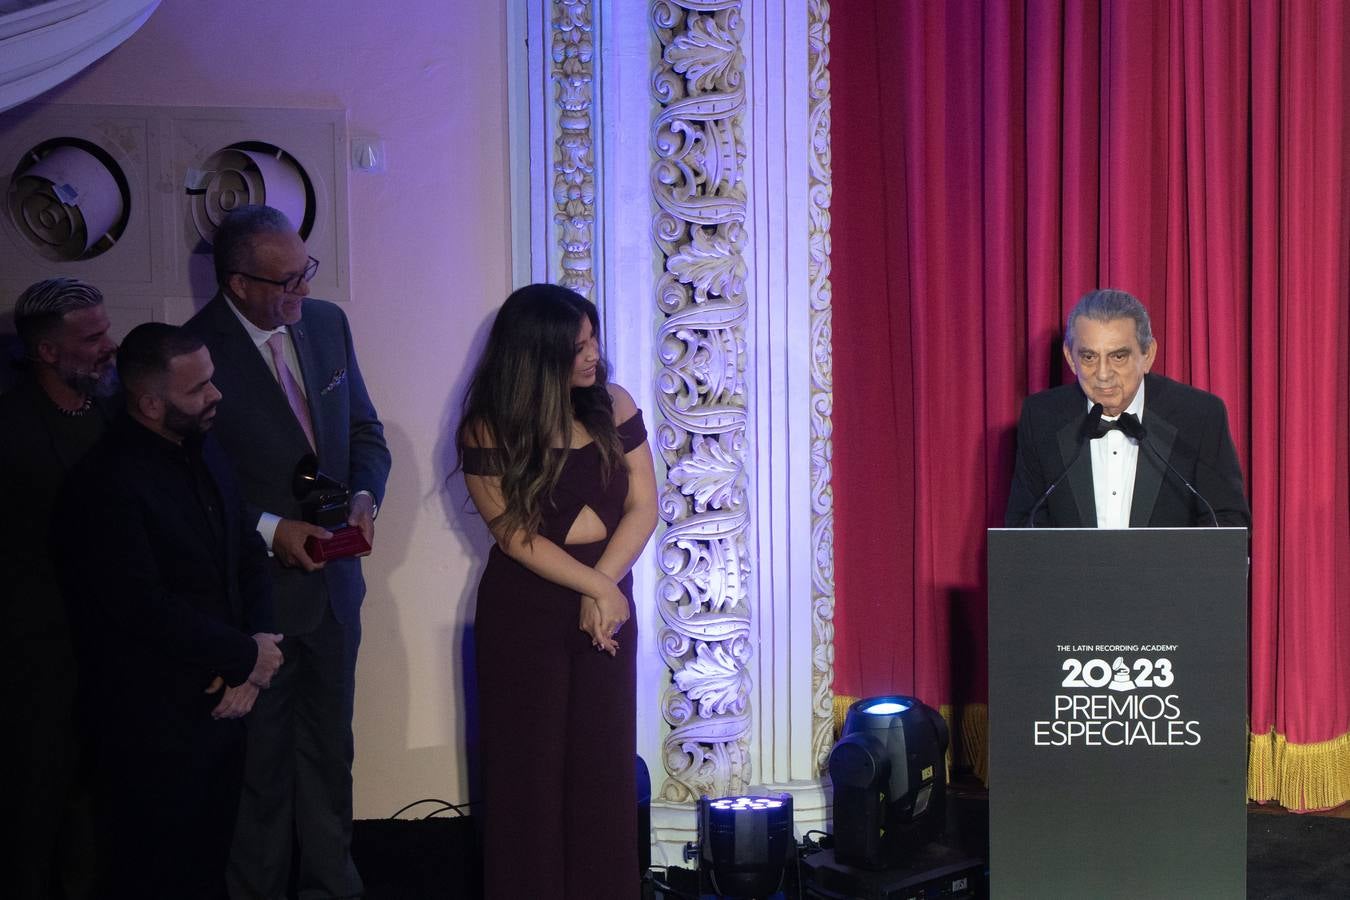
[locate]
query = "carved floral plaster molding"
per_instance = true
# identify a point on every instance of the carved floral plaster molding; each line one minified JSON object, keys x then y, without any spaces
{"x":698,"y":184}
{"x":822,"y":383}
{"x":573,"y":56}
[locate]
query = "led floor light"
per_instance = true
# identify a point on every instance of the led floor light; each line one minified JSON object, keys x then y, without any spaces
{"x":745,"y":845}
{"x":889,"y":775}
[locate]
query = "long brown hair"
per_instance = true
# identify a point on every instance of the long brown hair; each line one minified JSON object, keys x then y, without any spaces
{"x":520,"y":400}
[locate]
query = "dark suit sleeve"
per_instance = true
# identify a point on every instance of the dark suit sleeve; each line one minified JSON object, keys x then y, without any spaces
{"x":253,"y":572}
{"x":105,"y":544}
{"x":369,"y":455}
{"x":1218,"y":475}
{"x":1028,"y":481}
{"x":255,"y":578}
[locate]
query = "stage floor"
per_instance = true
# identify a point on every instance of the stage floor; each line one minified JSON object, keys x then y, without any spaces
{"x":1289,"y":856}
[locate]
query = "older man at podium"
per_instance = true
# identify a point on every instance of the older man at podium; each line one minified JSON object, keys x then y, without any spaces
{"x":1123,"y":448}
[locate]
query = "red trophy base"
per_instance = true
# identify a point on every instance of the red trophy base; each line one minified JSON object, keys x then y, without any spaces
{"x":346,"y":541}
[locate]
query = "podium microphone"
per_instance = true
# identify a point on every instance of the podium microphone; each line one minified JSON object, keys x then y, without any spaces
{"x":1085,"y":434}
{"x":1135,"y":429}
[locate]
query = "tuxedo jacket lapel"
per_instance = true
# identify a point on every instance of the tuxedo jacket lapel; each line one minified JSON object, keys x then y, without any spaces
{"x":1148,"y":471}
{"x":244,"y":359}
{"x":1080,"y":476}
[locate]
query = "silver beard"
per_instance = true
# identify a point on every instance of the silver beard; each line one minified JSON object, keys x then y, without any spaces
{"x":93,"y":385}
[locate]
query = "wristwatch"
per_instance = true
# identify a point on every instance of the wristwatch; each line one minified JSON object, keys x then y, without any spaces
{"x":374,"y":506}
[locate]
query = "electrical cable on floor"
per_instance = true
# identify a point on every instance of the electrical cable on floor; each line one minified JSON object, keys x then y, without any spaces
{"x":444,"y":805}
{"x":808,"y":844}
{"x":664,"y":887}
{"x":459,"y":809}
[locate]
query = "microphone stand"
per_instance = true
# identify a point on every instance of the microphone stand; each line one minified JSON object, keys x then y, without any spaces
{"x":1086,"y":432}
{"x":1135,"y":429}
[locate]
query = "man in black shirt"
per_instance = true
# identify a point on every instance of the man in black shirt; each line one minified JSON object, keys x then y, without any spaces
{"x":171,"y":606}
{"x":48,"y":421}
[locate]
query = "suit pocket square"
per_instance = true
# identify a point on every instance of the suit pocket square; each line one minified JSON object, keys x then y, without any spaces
{"x":336,"y":381}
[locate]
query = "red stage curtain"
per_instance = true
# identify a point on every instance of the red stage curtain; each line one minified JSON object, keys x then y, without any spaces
{"x":992,"y":162}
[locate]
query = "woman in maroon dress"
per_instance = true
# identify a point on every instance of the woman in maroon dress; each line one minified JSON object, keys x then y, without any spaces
{"x":557,"y":463}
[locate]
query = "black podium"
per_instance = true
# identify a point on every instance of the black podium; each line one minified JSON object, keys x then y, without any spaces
{"x":1117,"y":712}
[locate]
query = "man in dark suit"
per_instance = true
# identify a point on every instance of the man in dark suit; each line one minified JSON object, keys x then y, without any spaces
{"x":170,"y":601}
{"x":48,"y":421}
{"x":288,"y":366}
{"x":1117,"y":479}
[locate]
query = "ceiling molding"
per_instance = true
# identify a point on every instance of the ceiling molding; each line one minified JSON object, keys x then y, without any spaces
{"x":43,"y":44}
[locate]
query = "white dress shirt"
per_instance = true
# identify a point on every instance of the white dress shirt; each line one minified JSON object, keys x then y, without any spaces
{"x":1114,"y":459}
{"x":260,"y":339}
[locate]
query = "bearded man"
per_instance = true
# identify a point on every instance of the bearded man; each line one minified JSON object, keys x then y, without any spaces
{"x":170,"y":601}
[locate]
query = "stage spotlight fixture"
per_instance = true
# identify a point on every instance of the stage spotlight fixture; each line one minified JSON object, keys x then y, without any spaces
{"x":745,"y":845}
{"x":889,"y":774}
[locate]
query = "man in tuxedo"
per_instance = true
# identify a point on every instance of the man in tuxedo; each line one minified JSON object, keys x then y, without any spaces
{"x":287,"y":366}
{"x":59,"y":409}
{"x":170,"y":602}
{"x":1112,"y":463}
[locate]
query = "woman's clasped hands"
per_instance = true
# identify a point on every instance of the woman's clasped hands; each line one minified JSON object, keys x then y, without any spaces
{"x":602,"y":616}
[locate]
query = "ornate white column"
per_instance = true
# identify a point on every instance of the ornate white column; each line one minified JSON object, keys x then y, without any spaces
{"x":741,"y":184}
{"x":820,"y":188}
{"x":789,"y":343}
{"x":699,"y":185}
{"x":554,"y":110}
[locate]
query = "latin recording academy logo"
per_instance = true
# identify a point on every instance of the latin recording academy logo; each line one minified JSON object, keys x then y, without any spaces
{"x":1117,"y":699}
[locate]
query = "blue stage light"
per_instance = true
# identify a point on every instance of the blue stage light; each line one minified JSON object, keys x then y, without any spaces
{"x":745,"y":845}
{"x":746,"y":803}
{"x":889,"y":775}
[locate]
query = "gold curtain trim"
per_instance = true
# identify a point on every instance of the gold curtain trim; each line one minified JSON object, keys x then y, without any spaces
{"x":974,"y":740}
{"x":1302,"y":777}
{"x":841,"y":705}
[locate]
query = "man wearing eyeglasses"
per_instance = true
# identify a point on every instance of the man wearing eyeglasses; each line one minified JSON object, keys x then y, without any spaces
{"x":286,"y":364}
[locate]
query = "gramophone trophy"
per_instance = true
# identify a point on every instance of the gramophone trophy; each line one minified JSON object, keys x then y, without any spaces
{"x":326,"y":502}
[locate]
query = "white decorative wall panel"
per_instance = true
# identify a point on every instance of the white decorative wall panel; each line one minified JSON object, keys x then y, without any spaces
{"x":178,"y":170}
{"x":128,"y":139}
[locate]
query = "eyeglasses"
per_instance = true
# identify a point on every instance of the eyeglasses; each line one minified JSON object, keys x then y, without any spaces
{"x":292,"y":284}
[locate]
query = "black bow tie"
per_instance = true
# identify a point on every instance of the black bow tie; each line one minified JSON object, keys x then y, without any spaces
{"x":1127,"y":423}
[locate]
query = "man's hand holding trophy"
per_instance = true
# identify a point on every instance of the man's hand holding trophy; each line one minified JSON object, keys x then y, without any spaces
{"x":326,"y":502}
